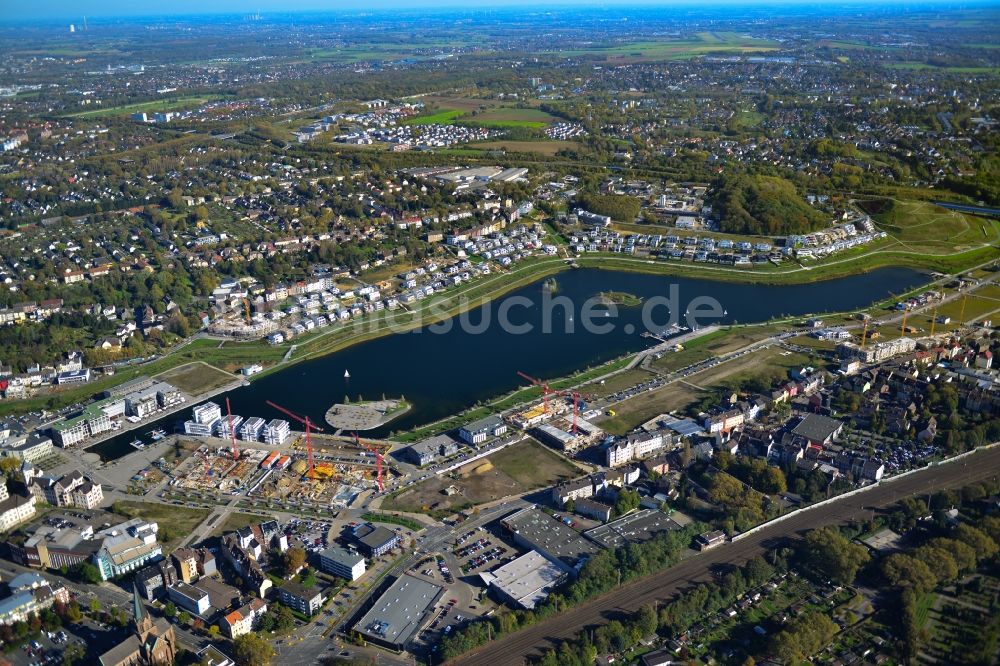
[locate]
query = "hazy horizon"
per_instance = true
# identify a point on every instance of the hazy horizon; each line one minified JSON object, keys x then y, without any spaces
{"x":57,"y":10}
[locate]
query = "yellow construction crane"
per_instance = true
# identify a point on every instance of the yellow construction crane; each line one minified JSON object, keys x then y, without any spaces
{"x":246,"y":311}
{"x":902,"y":328}
{"x":961,"y":316}
{"x":864,"y":334}
{"x":933,"y":320}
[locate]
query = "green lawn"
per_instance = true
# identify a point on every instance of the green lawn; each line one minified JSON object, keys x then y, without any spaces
{"x":921,"y":225}
{"x":443,"y":117}
{"x":169,"y":104}
{"x":678,"y":49}
{"x":175,"y":522}
{"x":532,"y":465}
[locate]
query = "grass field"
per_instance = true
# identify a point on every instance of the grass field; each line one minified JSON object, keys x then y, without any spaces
{"x":175,"y":522}
{"x":172,"y":104}
{"x":635,"y":411}
{"x":443,"y":117}
{"x":196,"y":378}
{"x":532,"y":465}
{"x":235,"y":521}
{"x":517,"y":469}
{"x":700,"y":44}
{"x":958,"y":70}
{"x":615,"y":383}
{"x":546,"y":148}
{"x":678,"y":395}
{"x":746,"y":119}
{"x":716,"y":343}
{"x":511,"y":117}
{"x":920,"y":225}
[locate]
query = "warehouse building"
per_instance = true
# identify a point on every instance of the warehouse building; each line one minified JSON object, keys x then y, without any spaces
{"x":534,"y":529}
{"x":399,"y":614}
{"x":525,"y":581}
{"x":636,"y":527}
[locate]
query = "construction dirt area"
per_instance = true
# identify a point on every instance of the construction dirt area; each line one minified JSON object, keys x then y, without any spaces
{"x":197,"y":378}
{"x":514,"y":470}
{"x":341,"y":471}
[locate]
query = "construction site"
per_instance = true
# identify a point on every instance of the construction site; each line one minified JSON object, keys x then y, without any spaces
{"x":305,"y":467}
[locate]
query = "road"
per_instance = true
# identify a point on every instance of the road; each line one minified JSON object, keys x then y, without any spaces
{"x":514,"y":648}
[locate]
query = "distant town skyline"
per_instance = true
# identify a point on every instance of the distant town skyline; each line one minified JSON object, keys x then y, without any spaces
{"x":70,"y":10}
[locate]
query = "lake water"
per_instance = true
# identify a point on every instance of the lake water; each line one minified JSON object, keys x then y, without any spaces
{"x":441,"y":373}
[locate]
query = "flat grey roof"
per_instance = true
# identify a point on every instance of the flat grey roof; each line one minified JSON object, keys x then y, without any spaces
{"x":634,"y":528}
{"x":527,"y":578}
{"x":817,"y":427}
{"x":400,"y":611}
{"x":348,"y":558}
{"x":550,"y":537}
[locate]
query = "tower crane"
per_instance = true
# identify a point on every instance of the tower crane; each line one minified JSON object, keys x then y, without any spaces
{"x":544,"y":386}
{"x":378,"y":461}
{"x":232,"y":432}
{"x":310,"y":426}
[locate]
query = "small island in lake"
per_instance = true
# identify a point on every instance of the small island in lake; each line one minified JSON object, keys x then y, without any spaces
{"x":621,"y":298}
{"x":365,"y":415}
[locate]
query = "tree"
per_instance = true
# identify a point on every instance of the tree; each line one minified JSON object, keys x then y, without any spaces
{"x":830,"y":553}
{"x":963,"y":554}
{"x":645,"y":620}
{"x":88,"y":573}
{"x":803,"y":637}
{"x":308,"y":578}
{"x":978,"y":540}
{"x":252,"y":650}
{"x":294,"y":558}
{"x":73,"y":653}
{"x":9,"y":465}
{"x":73,"y":613}
{"x":940,"y":562}
{"x":628,"y":500}
{"x":905,"y":571}
{"x":169,"y":609}
{"x":184,"y":617}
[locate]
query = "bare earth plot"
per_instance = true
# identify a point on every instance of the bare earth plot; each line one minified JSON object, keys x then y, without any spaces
{"x":196,"y":378}
{"x":517,"y":469}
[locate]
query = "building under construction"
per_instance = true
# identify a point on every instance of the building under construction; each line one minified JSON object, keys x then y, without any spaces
{"x":560,"y":433}
{"x":342,"y":471}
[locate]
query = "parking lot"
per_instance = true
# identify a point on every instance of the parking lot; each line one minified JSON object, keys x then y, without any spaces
{"x":313,"y":535}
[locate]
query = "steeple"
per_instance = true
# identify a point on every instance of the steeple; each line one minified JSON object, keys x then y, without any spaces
{"x":139,"y":617}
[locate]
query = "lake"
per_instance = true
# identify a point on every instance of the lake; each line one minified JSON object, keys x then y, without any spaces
{"x":443,"y":372}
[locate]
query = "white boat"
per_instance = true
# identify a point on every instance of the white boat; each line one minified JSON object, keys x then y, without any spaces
{"x":139,"y":444}
{"x":347,"y":374}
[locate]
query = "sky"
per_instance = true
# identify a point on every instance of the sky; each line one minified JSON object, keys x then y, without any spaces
{"x":76,"y":9}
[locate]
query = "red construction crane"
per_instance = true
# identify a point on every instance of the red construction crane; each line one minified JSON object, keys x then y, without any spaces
{"x":232,"y":432}
{"x":545,"y":388}
{"x":378,"y":461}
{"x":575,"y":395}
{"x":310,"y":426}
